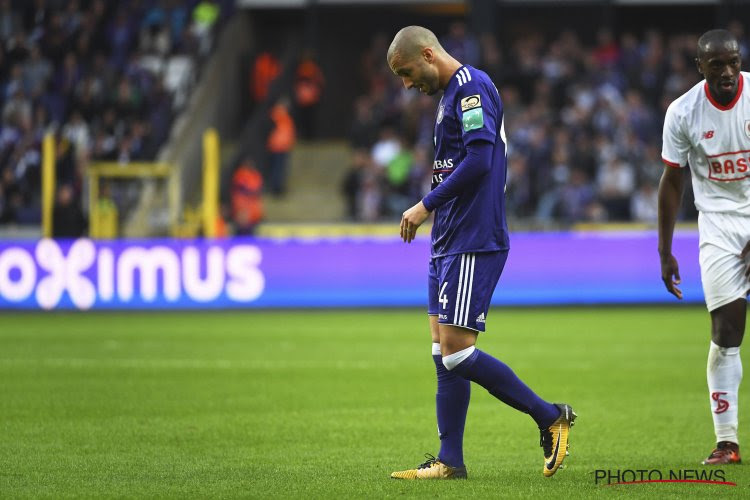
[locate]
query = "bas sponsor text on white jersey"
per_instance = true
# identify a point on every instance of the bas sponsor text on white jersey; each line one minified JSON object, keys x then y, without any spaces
{"x":715,"y":141}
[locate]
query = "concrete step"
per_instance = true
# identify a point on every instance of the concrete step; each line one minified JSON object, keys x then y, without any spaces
{"x":315,"y":172}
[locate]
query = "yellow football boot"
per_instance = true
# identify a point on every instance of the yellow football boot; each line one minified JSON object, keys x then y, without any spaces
{"x":431,"y":469}
{"x":554,"y":440}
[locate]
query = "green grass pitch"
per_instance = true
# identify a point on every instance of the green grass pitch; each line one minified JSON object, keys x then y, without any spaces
{"x":293,"y":404}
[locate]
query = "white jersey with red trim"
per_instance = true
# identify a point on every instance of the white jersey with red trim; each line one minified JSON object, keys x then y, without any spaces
{"x":715,"y":141}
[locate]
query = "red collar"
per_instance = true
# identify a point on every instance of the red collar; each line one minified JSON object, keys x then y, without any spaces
{"x":732,"y":102}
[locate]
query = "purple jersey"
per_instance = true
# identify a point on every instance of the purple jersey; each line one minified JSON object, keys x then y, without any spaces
{"x":473,"y":220}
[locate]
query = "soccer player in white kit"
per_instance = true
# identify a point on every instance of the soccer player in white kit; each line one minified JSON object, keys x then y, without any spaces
{"x":708,"y":128}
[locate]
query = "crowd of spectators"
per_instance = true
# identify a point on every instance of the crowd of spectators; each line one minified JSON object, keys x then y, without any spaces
{"x":583,"y":124}
{"x":106,"y":78}
{"x":583,"y":120}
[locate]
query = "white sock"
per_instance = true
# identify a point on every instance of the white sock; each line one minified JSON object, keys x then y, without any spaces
{"x":453,"y":360}
{"x":724,"y":373}
{"x":436,"y":349}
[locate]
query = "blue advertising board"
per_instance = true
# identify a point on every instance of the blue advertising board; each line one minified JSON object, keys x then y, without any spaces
{"x":542,"y":269}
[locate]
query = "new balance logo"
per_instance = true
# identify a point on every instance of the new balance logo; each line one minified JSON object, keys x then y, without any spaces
{"x":480,"y":318}
{"x":722,"y":405}
{"x":708,"y":135}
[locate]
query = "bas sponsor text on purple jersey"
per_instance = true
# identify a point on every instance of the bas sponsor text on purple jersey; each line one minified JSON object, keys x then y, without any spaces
{"x":474,"y":220}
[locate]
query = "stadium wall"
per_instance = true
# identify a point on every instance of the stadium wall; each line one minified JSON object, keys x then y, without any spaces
{"x":543,"y":269}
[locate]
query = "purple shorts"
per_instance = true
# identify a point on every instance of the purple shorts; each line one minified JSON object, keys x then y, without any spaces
{"x":461,"y":286}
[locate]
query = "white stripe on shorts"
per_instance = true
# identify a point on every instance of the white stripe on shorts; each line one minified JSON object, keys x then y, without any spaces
{"x":458,"y":293}
{"x":471,"y":287}
{"x":459,"y":319}
{"x":463,"y":293}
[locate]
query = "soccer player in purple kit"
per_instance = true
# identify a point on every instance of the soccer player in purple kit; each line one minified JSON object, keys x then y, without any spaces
{"x":469,"y":249}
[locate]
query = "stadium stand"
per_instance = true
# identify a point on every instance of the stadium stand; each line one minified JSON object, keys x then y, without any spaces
{"x":107,"y":78}
{"x":583,"y":110}
{"x":583,"y":121}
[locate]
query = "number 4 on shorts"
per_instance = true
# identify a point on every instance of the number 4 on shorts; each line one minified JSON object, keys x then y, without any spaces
{"x":443,"y":298}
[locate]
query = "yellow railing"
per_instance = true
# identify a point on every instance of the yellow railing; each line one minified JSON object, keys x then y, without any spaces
{"x":210,"y":182}
{"x":104,"y":225}
{"x":103,"y":216}
{"x":48,"y":183}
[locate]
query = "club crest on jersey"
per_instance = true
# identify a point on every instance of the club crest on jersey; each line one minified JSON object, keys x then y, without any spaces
{"x":471,"y":102}
{"x":747,"y":128}
{"x":441,"y":111}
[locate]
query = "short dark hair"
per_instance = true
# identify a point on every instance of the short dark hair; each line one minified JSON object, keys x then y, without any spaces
{"x":714,"y":38}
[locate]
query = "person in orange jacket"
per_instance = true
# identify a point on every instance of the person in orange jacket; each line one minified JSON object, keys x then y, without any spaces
{"x":246,"y":198}
{"x":308,"y":89}
{"x":280,"y":142}
{"x":265,"y":70}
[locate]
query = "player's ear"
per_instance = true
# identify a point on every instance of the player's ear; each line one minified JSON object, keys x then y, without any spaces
{"x":698,"y":65}
{"x":428,"y":54}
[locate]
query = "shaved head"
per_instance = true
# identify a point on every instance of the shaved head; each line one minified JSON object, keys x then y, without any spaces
{"x":716,"y":40}
{"x":416,"y":56}
{"x":720,"y":62}
{"x":409,"y":42}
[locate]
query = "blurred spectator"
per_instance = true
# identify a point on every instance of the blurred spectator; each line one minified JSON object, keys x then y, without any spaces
{"x":67,"y":219}
{"x":120,"y":38}
{"x":461,"y":45}
{"x":644,"y":203}
{"x":265,"y":70}
{"x":373,"y":72}
{"x":738,"y":30}
{"x":35,"y":17}
{"x":10,"y":21}
{"x":397,"y":178}
{"x":650,"y":167}
{"x":518,"y":191}
{"x":386,"y":148}
{"x":308,"y":88}
{"x":370,"y":197}
{"x":246,"y":198}
{"x":37,"y":70}
{"x":615,"y":184}
{"x":420,"y":175}
{"x":492,"y":58}
{"x":205,"y":16}
{"x":606,"y":53}
{"x":107,"y":224}
{"x":353,"y":181}
{"x":280,"y":143}
{"x":578,"y":199}
{"x":364,"y":127}
{"x":76,"y":131}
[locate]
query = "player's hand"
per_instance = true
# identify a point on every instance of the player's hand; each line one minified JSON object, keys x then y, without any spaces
{"x":670,"y":275}
{"x":411,"y":220}
{"x":745,"y":252}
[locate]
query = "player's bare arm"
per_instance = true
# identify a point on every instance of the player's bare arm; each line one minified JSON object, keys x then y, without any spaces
{"x":745,"y":252}
{"x":700,"y":133}
{"x":411,"y":220}
{"x":670,"y":194}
